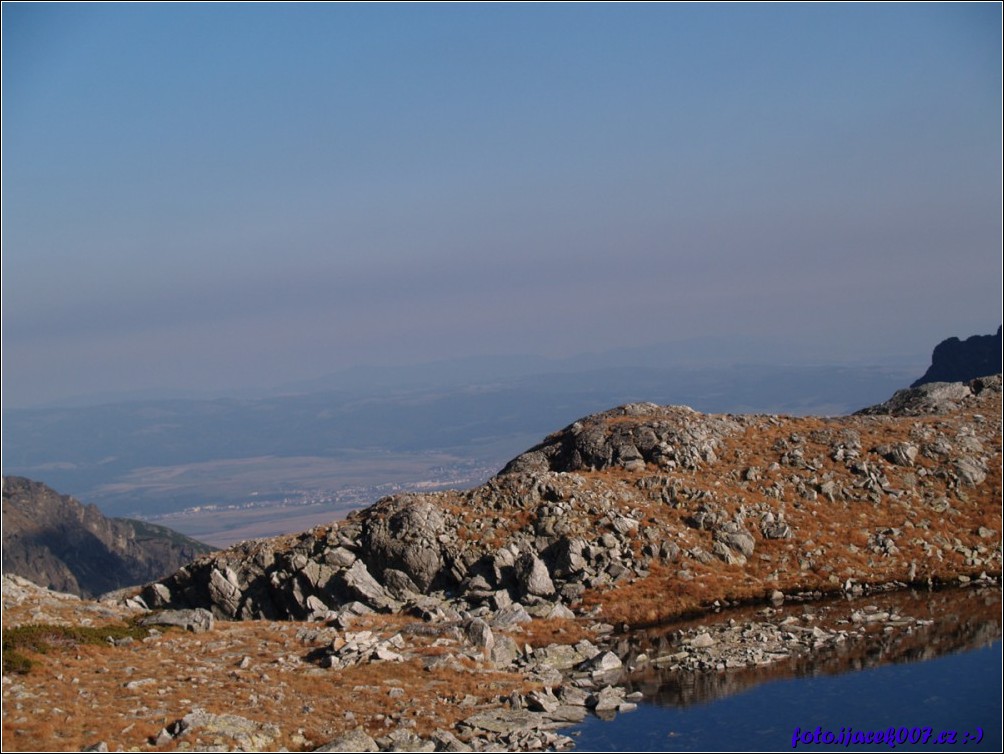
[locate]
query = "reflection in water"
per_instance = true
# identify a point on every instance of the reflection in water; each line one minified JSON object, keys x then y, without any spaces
{"x":945,"y":674}
{"x":960,"y":619}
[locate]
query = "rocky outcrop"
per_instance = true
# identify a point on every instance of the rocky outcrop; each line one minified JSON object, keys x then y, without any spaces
{"x":934,"y":398}
{"x":957,"y":360}
{"x":631,"y":437}
{"x":645,"y":510}
{"x":57,"y":542}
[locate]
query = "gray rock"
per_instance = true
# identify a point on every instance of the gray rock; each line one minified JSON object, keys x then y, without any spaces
{"x":408,"y":539}
{"x":316,"y":606}
{"x":500,"y":599}
{"x":901,"y":454}
{"x":510,"y":616}
{"x":932,"y":398}
{"x":399,"y":585}
{"x":480,"y":634}
{"x":702,"y":641}
{"x":559,"y":611}
{"x":405,"y":740}
{"x":669,"y":551}
{"x":573,"y":696}
{"x":161,"y":739}
{"x":506,"y":721}
{"x":775,"y":530}
{"x":625,"y":524}
{"x":196,"y":620}
{"x":225,"y":591}
{"x":504,"y":651}
{"x":542,"y":700}
{"x":603,"y":662}
{"x":361,"y":583}
{"x":246,"y":735}
{"x":726,"y":553}
{"x":157,"y":595}
{"x":349,"y":613}
{"x":567,"y":556}
{"x":384,"y":653}
{"x":970,"y":472}
{"x":740,"y":541}
{"x":533,"y":576}
{"x":340,"y":557}
{"x":356,"y":740}
{"x":559,"y":656}
{"x":608,"y":698}
{"x":446,"y":741}
{"x":567,"y":713}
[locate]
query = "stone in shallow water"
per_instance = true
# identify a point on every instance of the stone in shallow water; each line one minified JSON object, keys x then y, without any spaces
{"x":609,"y":698}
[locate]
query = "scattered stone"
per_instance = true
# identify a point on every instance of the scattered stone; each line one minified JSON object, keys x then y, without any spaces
{"x":701,"y":641}
{"x":533,"y":576}
{"x":355,"y":740}
{"x":480,"y":634}
{"x":196,"y":620}
{"x":603,"y":662}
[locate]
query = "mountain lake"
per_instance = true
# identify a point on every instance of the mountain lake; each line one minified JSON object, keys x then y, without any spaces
{"x":938,"y":688}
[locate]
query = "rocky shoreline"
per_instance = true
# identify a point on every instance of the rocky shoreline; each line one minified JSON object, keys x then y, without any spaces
{"x":548,"y":687}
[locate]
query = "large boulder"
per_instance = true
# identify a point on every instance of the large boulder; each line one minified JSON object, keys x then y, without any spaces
{"x":408,"y":535}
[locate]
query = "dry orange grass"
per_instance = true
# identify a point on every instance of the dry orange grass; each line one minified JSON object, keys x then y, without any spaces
{"x":79,"y":696}
{"x":542,"y":632}
{"x":818,"y":558}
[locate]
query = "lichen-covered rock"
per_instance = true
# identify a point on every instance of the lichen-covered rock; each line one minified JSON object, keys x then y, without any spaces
{"x":406,"y":536}
{"x":354,"y":740}
{"x":243,"y":734}
{"x":534,"y":578}
{"x":933,"y":397}
{"x":359,"y":582}
{"x":196,"y":620}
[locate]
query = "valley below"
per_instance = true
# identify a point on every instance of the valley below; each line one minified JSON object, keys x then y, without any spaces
{"x":269,"y":496}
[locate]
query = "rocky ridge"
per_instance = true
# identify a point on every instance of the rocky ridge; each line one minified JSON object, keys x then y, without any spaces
{"x":55,"y":541}
{"x":645,"y":511}
{"x":957,"y":360}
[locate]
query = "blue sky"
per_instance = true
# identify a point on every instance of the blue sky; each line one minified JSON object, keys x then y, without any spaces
{"x":219,"y":196}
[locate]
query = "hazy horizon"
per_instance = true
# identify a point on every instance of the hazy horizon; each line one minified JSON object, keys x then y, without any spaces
{"x":233,"y":197}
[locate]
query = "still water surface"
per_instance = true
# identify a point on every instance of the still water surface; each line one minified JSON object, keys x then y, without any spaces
{"x":958,"y":691}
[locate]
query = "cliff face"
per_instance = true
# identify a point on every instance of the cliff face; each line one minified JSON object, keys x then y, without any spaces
{"x":57,"y":542}
{"x":646,"y":511}
{"x":957,"y":360}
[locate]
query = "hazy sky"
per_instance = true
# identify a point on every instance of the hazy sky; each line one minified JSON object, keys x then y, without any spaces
{"x":216,"y":196}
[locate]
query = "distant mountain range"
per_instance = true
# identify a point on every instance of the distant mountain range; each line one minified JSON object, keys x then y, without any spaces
{"x":58,"y":543}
